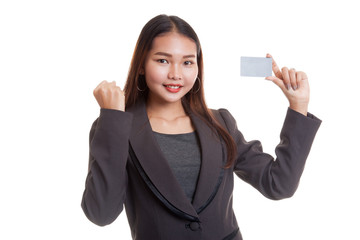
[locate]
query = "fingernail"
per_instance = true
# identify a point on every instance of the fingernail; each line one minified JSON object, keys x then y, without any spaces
{"x":295,"y":87}
{"x":288,"y":86}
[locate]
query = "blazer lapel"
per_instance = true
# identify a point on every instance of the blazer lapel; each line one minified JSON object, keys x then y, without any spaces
{"x":212,"y":162}
{"x":153,"y":161}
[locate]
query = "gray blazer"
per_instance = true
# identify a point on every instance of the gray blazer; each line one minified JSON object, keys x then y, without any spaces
{"x":127,"y":167}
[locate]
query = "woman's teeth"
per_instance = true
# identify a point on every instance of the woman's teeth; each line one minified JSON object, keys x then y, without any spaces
{"x":173,"y":87}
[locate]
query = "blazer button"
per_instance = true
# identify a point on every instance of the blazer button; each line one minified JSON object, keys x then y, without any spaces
{"x":194,"y":226}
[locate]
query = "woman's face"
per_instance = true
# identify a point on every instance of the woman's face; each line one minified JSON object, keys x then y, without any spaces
{"x":171,"y":67}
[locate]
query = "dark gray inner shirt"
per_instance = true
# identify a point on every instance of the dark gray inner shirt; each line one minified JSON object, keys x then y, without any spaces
{"x":182,"y":152}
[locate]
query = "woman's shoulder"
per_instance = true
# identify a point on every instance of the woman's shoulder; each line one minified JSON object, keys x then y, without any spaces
{"x":223,"y":113}
{"x":225,"y":118}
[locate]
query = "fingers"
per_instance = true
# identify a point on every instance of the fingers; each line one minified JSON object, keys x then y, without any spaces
{"x":291,"y":79}
{"x":286,"y":77}
{"x":105,"y":85}
{"x":110,"y":96}
{"x":275,"y":67}
{"x":99,"y":85}
{"x":292,"y":75}
{"x":301,"y":79}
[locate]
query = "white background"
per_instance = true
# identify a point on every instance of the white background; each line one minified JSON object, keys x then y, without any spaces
{"x":54,"y":53}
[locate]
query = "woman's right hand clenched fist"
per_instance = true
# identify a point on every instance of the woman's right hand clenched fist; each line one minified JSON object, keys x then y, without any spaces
{"x":110,"y":96}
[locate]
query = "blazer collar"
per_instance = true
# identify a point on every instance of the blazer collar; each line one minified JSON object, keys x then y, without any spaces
{"x":157,"y":168}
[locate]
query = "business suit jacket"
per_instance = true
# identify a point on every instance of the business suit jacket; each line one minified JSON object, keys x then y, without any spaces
{"x":127,"y":167}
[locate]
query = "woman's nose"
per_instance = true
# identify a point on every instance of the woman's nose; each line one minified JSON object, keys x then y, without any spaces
{"x":175,"y":72}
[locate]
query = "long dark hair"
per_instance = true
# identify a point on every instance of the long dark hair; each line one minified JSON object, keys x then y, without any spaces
{"x":135,"y":87}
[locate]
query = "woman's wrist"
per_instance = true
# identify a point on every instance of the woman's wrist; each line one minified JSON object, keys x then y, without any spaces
{"x":301,"y":108}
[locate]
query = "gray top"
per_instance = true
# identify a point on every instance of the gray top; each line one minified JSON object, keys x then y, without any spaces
{"x":182,"y":152}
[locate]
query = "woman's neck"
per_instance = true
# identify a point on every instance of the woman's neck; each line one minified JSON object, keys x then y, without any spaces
{"x":169,"y":118}
{"x":166,"y":111}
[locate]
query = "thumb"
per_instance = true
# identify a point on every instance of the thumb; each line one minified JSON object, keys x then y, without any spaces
{"x":277,"y":81}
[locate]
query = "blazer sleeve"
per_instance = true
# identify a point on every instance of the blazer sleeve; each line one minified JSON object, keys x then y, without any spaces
{"x":275,"y":178}
{"x":106,"y":182}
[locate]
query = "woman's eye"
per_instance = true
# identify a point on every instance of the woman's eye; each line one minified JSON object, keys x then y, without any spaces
{"x":162,"y":61}
{"x":188,"y":62}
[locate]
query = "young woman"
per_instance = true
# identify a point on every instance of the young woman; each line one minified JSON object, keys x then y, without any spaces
{"x":157,"y":149}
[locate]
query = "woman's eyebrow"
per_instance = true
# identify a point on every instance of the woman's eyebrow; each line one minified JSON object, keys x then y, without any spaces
{"x":189,"y":56}
{"x":163,"y":54}
{"x":169,"y":55}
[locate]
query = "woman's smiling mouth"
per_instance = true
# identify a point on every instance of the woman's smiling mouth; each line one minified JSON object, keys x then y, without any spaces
{"x":173,"y":88}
